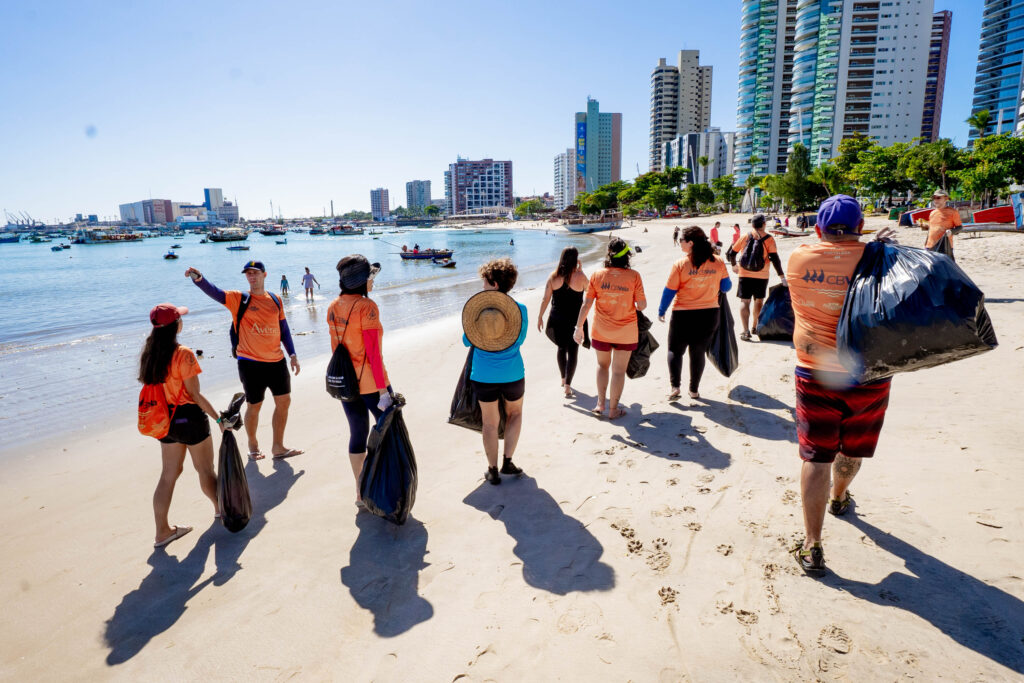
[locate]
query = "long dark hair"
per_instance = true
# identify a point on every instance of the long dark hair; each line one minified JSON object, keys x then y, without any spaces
{"x":702,"y":249}
{"x":615,"y":245}
{"x":567,"y":262}
{"x":157,"y":354}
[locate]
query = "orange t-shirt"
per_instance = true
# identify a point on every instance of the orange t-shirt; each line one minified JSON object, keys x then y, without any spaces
{"x":769,"y":248}
{"x":183,"y":365}
{"x":939,"y":221}
{"x":616,"y":291}
{"x":347,"y":317}
{"x":696,"y":288}
{"x":819,"y":276}
{"x":260,"y":335}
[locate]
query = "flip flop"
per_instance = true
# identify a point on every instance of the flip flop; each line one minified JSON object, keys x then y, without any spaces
{"x":256,"y":455}
{"x":290,"y":453}
{"x":675,"y":395}
{"x":179,"y":531}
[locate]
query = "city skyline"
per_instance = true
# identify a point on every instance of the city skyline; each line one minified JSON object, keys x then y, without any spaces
{"x":282,"y":104}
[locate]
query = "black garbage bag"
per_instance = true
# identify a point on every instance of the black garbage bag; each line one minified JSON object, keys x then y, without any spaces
{"x":388,"y":481}
{"x":776,"y":319}
{"x":465,"y":410}
{"x":640,"y":359}
{"x":233,"y":497}
{"x":723,"y":351}
{"x":560,"y":333}
{"x":943,"y":246}
{"x":908,"y":309}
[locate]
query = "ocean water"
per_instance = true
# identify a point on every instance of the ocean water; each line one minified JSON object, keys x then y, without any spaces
{"x":74,"y":321}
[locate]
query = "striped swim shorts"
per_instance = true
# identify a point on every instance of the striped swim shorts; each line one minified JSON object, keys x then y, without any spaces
{"x":831,"y":421}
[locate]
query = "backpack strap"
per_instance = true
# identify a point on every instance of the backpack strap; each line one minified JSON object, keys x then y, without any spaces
{"x":243,"y":305}
{"x":276,"y":301}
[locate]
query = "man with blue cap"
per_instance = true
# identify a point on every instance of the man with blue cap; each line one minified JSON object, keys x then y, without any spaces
{"x":259,"y":328}
{"x":838,"y":420}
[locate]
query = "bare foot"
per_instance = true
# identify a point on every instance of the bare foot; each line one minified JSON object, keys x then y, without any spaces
{"x":618,"y":411}
{"x":599,"y":408}
{"x":693,"y":394}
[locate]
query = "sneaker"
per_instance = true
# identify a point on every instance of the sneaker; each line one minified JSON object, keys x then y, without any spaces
{"x":811,"y":561}
{"x":745,"y":336}
{"x":508,"y":468}
{"x":492,"y":476}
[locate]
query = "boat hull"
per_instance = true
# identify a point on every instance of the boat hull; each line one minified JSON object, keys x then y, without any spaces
{"x":423,"y":255}
{"x":594,"y":227}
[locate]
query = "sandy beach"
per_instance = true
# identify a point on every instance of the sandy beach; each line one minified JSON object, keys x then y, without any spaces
{"x":651,"y":548}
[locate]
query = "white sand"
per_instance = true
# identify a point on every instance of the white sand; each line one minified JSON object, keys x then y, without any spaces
{"x":647,"y":549}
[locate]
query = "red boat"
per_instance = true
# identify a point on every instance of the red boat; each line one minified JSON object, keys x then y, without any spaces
{"x":997,"y":214}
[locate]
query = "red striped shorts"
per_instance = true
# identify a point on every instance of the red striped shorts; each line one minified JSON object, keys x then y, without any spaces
{"x":831,"y":421}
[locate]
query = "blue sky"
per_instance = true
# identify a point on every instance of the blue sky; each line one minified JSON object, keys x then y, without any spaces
{"x":303,"y":102}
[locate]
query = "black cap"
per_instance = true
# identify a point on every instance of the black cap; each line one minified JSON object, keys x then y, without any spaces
{"x":254,"y":265}
{"x":355,"y":270}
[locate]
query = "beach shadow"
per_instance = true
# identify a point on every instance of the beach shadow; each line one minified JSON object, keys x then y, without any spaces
{"x":559,"y":554}
{"x":160,"y":599}
{"x":744,"y":419}
{"x":749,"y":396}
{"x":976,"y":615}
{"x":383,"y":573}
{"x":671,"y":436}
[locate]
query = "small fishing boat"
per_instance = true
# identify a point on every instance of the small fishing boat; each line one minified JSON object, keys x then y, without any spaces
{"x":170,"y":255}
{"x":56,"y":247}
{"x":284,"y":241}
{"x":424,"y":254}
{"x":789,"y":232}
{"x":175,"y":246}
{"x":443,"y":262}
{"x":237,"y":247}
{"x":204,"y":241}
{"x":272,"y":230}
{"x":608,"y":220}
{"x":65,"y":246}
{"x":317,"y":231}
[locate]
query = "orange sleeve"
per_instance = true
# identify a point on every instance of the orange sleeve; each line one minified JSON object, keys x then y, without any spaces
{"x":369,"y":316}
{"x":674,"y":281}
{"x":956,"y":219}
{"x":740,"y":243}
{"x":232,"y":300}
{"x":186,"y":363}
{"x":769,"y":245}
{"x":593,"y":285}
{"x":330,"y":328}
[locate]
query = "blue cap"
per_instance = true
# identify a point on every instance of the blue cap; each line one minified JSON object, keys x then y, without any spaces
{"x":254,"y":265}
{"x":840,"y":215}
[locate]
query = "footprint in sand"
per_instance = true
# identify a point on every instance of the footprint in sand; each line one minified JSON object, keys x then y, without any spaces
{"x":790,"y":497}
{"x":624,"y":529}
{"x":705,"y":478}
{"x":689,"y":509}
{"x":659,"y":561}
{"x":634,"y":546}
{"x":703,"y":490}
{"x":671,"y":482}
{"x":666,"y":511}
{"x":746,"y":617}
{"x":659,"y":543}
{"x":835,"y":638}
{"x":675,"y":465}
{"x":725,"y":549}
{"x":667,"y":595}
{"x":694,"y":526}
{"x":722,"y":607}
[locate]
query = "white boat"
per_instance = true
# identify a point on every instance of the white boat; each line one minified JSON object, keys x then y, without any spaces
{"x":608,"y":220}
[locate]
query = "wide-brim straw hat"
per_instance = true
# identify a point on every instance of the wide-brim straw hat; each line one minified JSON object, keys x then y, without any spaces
{"x":492,"y":320}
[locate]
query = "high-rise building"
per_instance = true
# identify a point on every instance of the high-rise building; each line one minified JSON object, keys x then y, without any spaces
{"x":417,"y":194}
{"x":680,"y":102}
{"x":147,"y":212}
{"x":380,"y":204}
{"x":565,"y":179}
{"x":687,"y":150}
{"x":819,"y":71}
{"x":598,"y":148}
{"x":213,"y":198}
{"x":999,"y":82}
{"x":482,"y":186}
{"x":935,"y":84}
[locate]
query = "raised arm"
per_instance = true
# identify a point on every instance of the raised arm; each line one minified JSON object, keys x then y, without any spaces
{"x":208,"y":288}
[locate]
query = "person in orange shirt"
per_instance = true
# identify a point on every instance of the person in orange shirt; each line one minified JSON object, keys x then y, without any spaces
{"x":692,"y":288}
{"x":837,"y":420}
{"x":261,"y":363}
{"x":165,"y":361}
{"x":353,"y":320}
{"x":941,"y":220}
{"x":753,"y":282}
{"x":616,"y":292}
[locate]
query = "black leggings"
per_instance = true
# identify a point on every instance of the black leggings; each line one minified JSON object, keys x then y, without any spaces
{"x":567,"y":357}
{"x":690,"y":330}
{"x":358,"y":415}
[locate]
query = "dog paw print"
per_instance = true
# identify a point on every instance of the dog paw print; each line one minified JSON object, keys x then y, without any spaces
{"x":635,"y":546}
{"x":660,"y":543}
{"x":667,"y":595}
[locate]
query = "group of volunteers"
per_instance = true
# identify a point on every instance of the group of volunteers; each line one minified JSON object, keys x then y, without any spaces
{"x":838,"y":420}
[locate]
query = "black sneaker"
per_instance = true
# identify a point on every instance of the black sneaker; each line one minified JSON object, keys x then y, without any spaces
{"x":838,"y":507}
{"x":811,"y":561}
{"x":492,"y":476}
{"x":508,"y":468}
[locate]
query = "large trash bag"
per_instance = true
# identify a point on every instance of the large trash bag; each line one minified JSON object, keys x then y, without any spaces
{"x":943,"y":246}
{"x":640,"y":359}
{"x":465,"y":410}
{"x":776,"y":319}
{"x":233,"y":497}
{"x":908,"y":309}
{"x":388,"y":481}
{"x":723,"y":351}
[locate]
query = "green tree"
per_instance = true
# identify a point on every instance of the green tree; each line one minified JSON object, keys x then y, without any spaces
{"x":595,"y":202}
{"x":850,"y":150}
{"x":432,"y":210}
{"x":992,"y":164}
{"x":726,"y":192}
{"x":675,"y":176}
{"x":831,"y":179}
{"x":929,"y":164}
{"x":529,"y":208}
{"x":979,"y":121}
{"x":658,"y":197}
{"x":696,"y":193}
{"x":795,"y":187}
{"x":877,"y":171}
{"x":704,"y":161}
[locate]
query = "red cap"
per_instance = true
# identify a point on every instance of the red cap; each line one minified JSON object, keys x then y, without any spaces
{"x":165,"y":314}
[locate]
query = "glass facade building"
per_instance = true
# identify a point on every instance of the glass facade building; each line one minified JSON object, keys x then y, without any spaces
{"x":998,"y":83}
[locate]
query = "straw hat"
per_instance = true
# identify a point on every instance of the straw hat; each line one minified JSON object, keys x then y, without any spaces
{"x":492,"y":320}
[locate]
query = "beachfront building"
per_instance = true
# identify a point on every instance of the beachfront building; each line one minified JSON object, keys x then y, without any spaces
{"x":999,"y":81}
{"x":417,"y":194}
{"x":565,"y":179}
{"x":935,"y":83}
{"x":819,"y":71}
{"x":680,"y":102}
{"x":147,"y":212}
{"x":687,"y":150}
{"x":228,"y":212}
{"x":598,"y":139}
{"x":482,"y":186}
{"x":213,"y":198}
{"x":380,"y":204}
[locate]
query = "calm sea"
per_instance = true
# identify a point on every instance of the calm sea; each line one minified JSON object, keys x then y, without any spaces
{"x":74,"y":321}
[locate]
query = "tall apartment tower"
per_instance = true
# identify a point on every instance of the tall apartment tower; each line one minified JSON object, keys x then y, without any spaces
{"x":999,"y":82}
{"x":380,"y":204}
{"x":680,"y":102}
{"x":935,"y":84}
{"x":213,"y":198}
{"x":565,"y":179}
{"x":482,"y":186}
{"x":417,"y":194}
{"x":819,"y":71}
{"x":598,"y":148}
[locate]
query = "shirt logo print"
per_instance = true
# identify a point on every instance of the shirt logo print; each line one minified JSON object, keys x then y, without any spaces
{"x":814,"y":276}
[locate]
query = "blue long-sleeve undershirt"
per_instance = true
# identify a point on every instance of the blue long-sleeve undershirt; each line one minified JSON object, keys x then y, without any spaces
{"x":724,"y":285}
{"x":218,"y":295}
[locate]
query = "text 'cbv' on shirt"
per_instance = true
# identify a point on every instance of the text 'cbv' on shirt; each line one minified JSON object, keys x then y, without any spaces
{"x":259,"y":335}
{"x":616,"y":291}
{"x":819,"y":277}
{"x":347,"y":318}
{"x":696,"y":288}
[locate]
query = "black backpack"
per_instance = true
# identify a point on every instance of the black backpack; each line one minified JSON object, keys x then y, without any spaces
{"x":243,"y":306}
{"x":342,"y":381}
{"x":752,"y":258}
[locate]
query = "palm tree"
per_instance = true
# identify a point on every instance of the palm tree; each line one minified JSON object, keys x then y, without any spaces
{"x":828,"y":176}
{"x":979,"y":121}
{"x":704,"y":161}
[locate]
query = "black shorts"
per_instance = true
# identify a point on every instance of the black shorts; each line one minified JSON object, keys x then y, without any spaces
{"x":752,"y":288}
{"x":510,"y":391}
{"x":189,"y":425}
{"x":258,"y":376}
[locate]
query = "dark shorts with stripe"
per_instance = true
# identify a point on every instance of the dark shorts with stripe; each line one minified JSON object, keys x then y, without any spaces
{"x":831,"y":421}
{"x":189,"y":425}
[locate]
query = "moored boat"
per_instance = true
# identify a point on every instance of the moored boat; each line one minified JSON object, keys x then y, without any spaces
{"x":228,"y":235}
{"x":342,"y":230}
{"x":9,"y":238}
{"x":84,"y":236}
{"x":424,"y":254}
{"x":273,"y":230}
{"x":608,"y":220}
{"x":996,"y":214}
{"x":238,"y":247}
{"x":443,"y":262}
{"x":56,"y":247}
